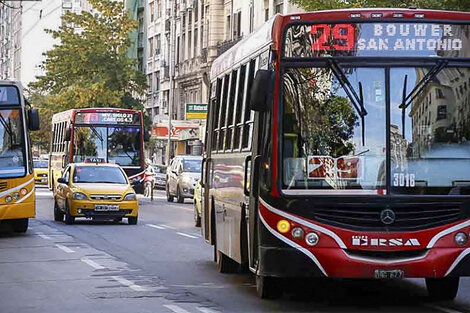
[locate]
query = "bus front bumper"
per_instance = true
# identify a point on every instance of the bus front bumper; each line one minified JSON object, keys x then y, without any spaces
{"x":17,"y":210}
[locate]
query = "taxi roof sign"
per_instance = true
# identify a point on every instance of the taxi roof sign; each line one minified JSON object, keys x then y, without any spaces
{"x":94,"y":160}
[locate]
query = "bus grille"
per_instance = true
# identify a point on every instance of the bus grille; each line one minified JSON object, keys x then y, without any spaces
{"x":3,"y":185}
{"x":410,"y":217}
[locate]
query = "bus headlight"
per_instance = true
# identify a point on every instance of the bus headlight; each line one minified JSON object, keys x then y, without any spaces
{"x":461,"y":239}
{"x":283,"y":226}
{"x":312,"y":239}
{"x":130,"y":197}
{"x":8,"y":199}
{"x":297,"y":233}
{"x":23,"y":191}
{"x":79,"y":196}
{"x":16,"y":195}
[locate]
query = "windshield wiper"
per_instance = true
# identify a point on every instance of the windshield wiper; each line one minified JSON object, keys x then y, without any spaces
{"x":357,"y":100}
{"x":408,"y":99}
{"x":96,"y":133}
{"x":6,"y":126}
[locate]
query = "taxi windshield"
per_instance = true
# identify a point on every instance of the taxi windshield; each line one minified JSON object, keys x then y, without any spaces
{"x":99,"y":174}
{"x":40,"y":164}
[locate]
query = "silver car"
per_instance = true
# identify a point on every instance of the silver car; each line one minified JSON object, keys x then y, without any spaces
{"x":182,"y":175}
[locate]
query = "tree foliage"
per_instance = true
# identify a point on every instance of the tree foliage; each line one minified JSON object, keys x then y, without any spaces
{"x":89,"y":66}
{"x":313,"y":5}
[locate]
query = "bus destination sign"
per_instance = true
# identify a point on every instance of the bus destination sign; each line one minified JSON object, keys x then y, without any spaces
{"x":111,"y":118}
{"x":377,"y":39}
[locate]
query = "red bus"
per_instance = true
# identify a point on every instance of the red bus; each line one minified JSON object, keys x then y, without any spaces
{"x":115,"y":135}
{"x":338,"y":146}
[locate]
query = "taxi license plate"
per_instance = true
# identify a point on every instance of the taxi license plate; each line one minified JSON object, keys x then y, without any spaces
{"x":106,"y":207}
{"x":388,"y":274}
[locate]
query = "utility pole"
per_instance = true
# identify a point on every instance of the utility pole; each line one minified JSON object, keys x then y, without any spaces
{"x":172,"y":61}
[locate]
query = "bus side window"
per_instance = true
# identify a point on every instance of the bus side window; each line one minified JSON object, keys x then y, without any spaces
{"x":229,"y":119}
{"x":215,"y":121}
{"x":248,"y":116}
{"x":223,"y":107}
{"x":239,"y":107}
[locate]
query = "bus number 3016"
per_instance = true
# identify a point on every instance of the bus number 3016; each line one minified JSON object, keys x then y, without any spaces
{"x":403,"y":180}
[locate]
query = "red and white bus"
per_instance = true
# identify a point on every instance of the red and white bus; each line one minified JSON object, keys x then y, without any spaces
{"x":109,"y":134}
{"x":338,"y":146}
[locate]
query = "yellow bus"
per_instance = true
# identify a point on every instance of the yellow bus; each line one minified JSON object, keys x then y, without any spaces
{"x":17,"y":203}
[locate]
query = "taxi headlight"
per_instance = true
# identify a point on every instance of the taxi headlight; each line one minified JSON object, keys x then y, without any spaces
{"x":130,"y":197}
{"x":79,"y":196}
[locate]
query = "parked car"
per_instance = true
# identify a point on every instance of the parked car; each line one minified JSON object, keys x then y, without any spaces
{"x":197,"y":203}
{"x":156,"y":174}
{"x":182,"y":175}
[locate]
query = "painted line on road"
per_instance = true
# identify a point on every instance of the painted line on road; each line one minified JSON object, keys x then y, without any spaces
{"x":186,"y":235}
{"x":166,"y":226}
{"x":175,"y":308}
{"x":44,"y":236}
{"x":64,"y":248}
{"x":128,"y":283}
{"x":92,"y":264}
{"x":155,"y":226}
{"x":207,"y":310}
{"x":440,"y":308}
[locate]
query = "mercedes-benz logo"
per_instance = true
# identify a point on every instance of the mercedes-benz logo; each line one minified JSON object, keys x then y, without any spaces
{"x":387,"y":216}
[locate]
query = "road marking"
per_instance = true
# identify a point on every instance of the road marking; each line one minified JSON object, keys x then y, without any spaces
{"x":92,"y":264}
{"x":207,"y":310}
{"x":155,"y":226}
{"x":44,"y":236}
{"x":175,"y":308}
{"x":440,"y":308}
{"x":128,"y":283}
{"x":64,"y":248}
{"x":186,"y":235}
{"x":166,"y":226}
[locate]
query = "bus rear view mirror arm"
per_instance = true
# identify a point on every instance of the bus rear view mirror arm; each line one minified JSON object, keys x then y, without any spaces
{"x":262,"y":90}
{"x":33,"y":119}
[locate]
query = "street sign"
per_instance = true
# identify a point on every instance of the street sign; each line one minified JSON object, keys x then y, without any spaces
{"x":196,"y":111}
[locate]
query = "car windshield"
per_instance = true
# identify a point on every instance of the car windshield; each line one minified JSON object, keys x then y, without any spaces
{"x":99,"y":174}
{"x":40,"y":164}
{"x":159,"y":169}
{"x":119,"y":145}
{"x":193,"y":166}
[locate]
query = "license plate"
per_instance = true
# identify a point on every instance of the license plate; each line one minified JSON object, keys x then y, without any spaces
{"x":106,"y":207}
{"x":388,"y":274}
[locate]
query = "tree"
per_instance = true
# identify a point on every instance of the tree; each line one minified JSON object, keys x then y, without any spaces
{"x":90,"y":67}
{"x":313,"y":5}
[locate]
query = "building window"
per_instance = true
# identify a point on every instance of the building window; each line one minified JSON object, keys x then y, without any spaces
{"x":237,"y":18}
{"x":157,"y":44}
{"x":190,"y":17}
{"x":151,"y":47}
{"x":227,"y":28}
{"x":190,"y":51}
{"x":183,"y":46}
{"x":151,"y":9}
{"x":439,"y":94}
{"x":159,"y":8}
{"x":279,"y":6}
{"x":195,"y":42}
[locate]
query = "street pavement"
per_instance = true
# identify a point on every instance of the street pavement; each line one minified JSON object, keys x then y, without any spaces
{"x":163,"y":265}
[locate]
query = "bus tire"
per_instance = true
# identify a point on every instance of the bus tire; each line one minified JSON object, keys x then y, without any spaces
{"x":58,"y":214}
{"x":20,"y":225}
{"x":179,"y":197}
{"x":169,"y":197}
{"x":225,"y":264}
{"x":268,"y":287}
{"x":132,"y":220}
{"x":442,"y":288}
{"x":69,"y":219}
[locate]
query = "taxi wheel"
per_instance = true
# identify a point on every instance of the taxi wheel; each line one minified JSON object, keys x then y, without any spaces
{"x":69,"y":219}
{"x":179,"y":197}
{"x":169,"y":197}
{"x":58,"y":215}
{"x":132,"y":220}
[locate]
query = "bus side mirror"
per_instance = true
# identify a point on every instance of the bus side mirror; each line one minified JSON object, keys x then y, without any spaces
{"x":262,"y":90}
{"x":33,"y":119}
{"x":68,"y":134}
{"x":146,"y":136}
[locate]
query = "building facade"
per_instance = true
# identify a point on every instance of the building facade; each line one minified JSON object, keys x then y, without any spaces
{"x":183,"y":39}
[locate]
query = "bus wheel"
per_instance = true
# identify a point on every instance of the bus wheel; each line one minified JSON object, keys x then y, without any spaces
{"x":443,"y":288}
{"x":132,"y":220}
{"x":58,"y":214}
{"x":179,"y":197}
{"x":268,"y":287}
{"x":69,"y":219}
{"x":20,"y":225}
{"x":225,"y":264}
{"x":169,"y":197}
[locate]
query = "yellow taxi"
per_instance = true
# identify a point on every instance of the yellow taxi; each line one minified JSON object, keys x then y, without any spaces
{"x":41,"y":172}
{"x":97,"y":191}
